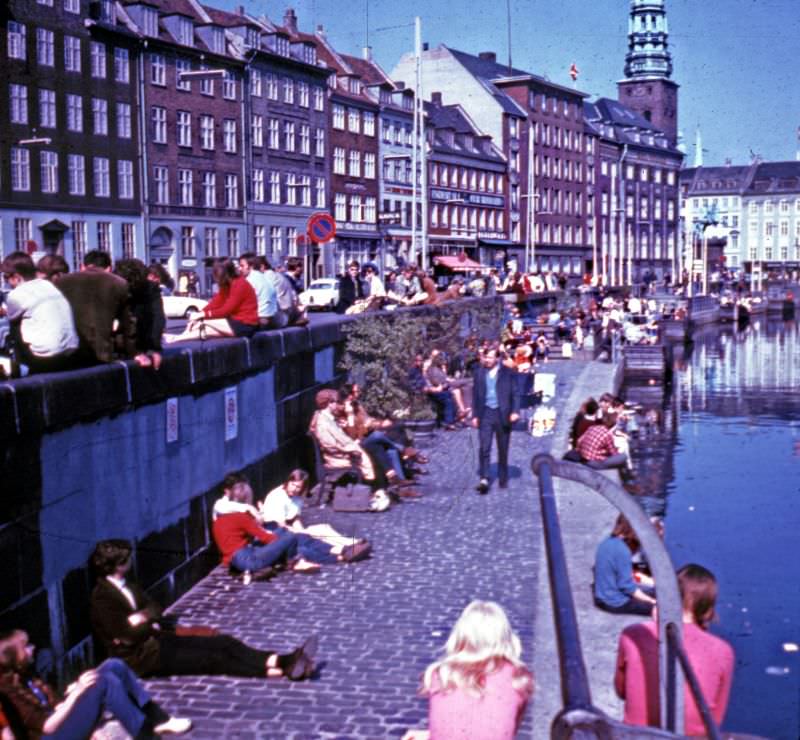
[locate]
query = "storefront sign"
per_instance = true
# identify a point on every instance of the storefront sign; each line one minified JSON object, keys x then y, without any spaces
{"x":470,"y":199}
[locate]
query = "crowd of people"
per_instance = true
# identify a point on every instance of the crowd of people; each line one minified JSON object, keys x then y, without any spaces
{"x":61,"y":320}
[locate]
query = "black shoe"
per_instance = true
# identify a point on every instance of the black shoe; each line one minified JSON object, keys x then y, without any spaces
{"x":483,"y":486}
{"x":300,"y":663}
{"x":358,"y":551}
{"x":264,"y":574}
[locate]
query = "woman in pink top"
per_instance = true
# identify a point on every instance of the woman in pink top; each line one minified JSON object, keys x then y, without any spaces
{"x":479,"y":689}
{"x":711,"y":658}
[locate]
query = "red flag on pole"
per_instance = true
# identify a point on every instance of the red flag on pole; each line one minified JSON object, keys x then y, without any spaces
{"x":574,"y":71}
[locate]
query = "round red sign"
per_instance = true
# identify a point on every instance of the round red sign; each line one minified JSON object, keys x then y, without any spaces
{"x":321,"y":228}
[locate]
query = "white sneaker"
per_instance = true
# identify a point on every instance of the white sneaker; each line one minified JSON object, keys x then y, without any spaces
{"x":380,"y":501}
{"x":174,"y":726}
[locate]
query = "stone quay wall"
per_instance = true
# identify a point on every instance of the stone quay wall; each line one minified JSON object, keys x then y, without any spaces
{"x":121,"y":451}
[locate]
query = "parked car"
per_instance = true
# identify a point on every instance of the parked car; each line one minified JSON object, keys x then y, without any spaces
{"x":322,"y":293}
{"x":181,"y":306}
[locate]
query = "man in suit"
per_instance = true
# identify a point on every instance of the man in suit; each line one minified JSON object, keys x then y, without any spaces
{"x":495,"y":407}
{"x":351,"y":288}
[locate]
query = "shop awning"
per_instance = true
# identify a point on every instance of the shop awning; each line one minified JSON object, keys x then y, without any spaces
{"x":458,"y":262}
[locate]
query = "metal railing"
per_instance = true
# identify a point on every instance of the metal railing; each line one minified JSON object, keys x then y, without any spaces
{"x":579,"y":717}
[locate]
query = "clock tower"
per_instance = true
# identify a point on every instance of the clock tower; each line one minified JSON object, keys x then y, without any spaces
{"x":647,"y":88}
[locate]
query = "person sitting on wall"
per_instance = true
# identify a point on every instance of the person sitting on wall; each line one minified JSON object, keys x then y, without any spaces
{"x":101,"y":308}
{"x":351,"y":288}
{"x":615,"y":589}
{"x":341,"y":451}
{"x":266,"y":295}
{"x":111,"y":688}
{"x":42,"y":324}
{"x":588,"y":415}
{"x":232,"y":312}
{"x":407,"y":286}
{"x":712,"y":659}
{"x":147,"y":309}
{"x":129,"y":626}
{"x":598,"y":448}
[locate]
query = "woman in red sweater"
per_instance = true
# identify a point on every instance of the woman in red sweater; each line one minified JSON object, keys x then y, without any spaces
{"x":232,"y":312}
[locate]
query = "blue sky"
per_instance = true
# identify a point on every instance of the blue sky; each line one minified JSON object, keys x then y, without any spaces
{"x":737,"y":61}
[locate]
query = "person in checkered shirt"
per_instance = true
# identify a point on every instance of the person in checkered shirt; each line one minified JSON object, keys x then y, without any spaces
{"x":597,"y":449}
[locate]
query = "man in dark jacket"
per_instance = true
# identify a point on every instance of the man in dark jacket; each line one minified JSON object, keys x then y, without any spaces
{"x":351,"y":288}
{"x":495,"y":407}
{"x":98,"y":298}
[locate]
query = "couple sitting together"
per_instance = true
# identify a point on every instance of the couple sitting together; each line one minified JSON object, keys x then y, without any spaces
{"x":256,"y":540}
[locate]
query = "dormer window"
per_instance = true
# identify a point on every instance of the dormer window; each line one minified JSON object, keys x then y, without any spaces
{"x":251,"y":37}
{"x":108,"y":13}
{"x":282,"y":46}
{"x":218,"y":40}
{"x":408,"y":102}
{"x":385,"y":97}
{"x":150,"y":21}
{"x":309,"y":53}
{"x":185,"y":32}
{"x":355,"y":85}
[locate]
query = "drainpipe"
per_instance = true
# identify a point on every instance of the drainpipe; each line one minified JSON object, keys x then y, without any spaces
{"x":144,"y":186}
{"x":247,"y":158}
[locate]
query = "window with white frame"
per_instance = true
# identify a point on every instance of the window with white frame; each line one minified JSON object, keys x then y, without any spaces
{"x":18,"y":96}
{"x":369,"y":165}
{"x":260,"y":238}
{"x":338,"y":116}
{"x":356,"y":209}
{"x":305,"y":139}
{"x":23,"y":233}
{"x":183,"y":65}
{"x":289,"y":136}
{"x":149,"y":21}
{"x":76,"y":174}
{"x":753,"y":207}
{"x":98,"y":59}
{"x":258,"y":185}
{"x":340,"y":207}
{"x":72,"y":54}
{"x":206,"y":86}
{"x":229,"y":85}
{"x":275,"y":239}
{"x":79,"y":241}
{"x":274,"y":133}
{"x":16,"y":40}
{"x":369,"y":123}
{"x":72,"y":6}
{"x":272,"y":85}
{"x":370,"y":210}
{"x":784,"y":206}
{"x":207,"y":132}
{"x":644,"y":207}
{"x":125,"y":178}
{"x":47,"y":108}
{"x":48,"y":169}
{"x":188,"y":241}
{"x":161,"y":178}
{"x":319,"y":142}
{"x":128,"y":241}
{"x":100,"y":116}
{"x":122,"y":65}
{"x":209,"y":190}
{"x":288,"y":90}
{"x":275,"y":187}
{"x":45,"y":47}
{"x":229,"y":135}
{"x":218,"y":40}
{"x":291,"y":240}
{"x":255,"y":83}
{"x":657,"y":209}
{"x":185,"y":32}
{"x":320,"y":191}
{"x":102,"y":177}
{"x":257,"y":130}
{"x":159,"y":118}
{"x":158,"y":69}
{"x":184,"y":126}
{"x":338,"y":160}
{"x":305,"y":190}
{"x":104,"y":236}
{"x":185,"y":190}
{"x":302,"y":94}
{"x":211,"y":239}
{"x":355,"y":163}
{"x":282,"y":45}
{"x":354,"y":120}
{"x":124,"y":122}
{"x":769,"y":207}
{"x":319,"y":98}
{"x":291,"y":189}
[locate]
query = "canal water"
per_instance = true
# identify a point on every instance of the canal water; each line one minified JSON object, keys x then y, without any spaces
{"x":721,"y":456}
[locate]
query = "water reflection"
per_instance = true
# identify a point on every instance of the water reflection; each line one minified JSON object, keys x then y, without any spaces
{"x":719,"y":456}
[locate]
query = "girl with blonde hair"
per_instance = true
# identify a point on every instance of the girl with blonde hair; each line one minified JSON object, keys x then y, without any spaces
{"x":479,"y":689}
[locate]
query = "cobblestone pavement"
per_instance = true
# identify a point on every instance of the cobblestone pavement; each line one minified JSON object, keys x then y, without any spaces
{"x":381,"y":621}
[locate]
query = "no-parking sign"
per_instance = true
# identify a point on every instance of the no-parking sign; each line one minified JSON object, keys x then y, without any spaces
{"x":321,"y":228}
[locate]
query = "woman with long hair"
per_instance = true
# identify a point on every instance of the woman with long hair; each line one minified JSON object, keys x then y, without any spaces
{"x":232,"y":312}
{"x":479,"y":689}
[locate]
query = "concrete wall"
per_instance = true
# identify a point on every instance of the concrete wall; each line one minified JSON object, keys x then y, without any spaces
{"x":84,"y":456}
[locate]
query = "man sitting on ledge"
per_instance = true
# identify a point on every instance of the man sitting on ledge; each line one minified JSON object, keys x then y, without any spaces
{"x":598,"y":450}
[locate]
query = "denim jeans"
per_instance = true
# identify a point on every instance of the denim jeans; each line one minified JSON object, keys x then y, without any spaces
{"x":118,"y":691}
{"x":444,"y":401}
{"x":309,"y":548}
{"x":256,"y":557}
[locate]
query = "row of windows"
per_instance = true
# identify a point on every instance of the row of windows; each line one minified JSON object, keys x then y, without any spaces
{"x":656,"y":175}
{"x":784,"y":206}
{"x":187,"y":188}
{"x":560,"y":169}
{"x":644,"y":210}
{"x":211,"y":241}
{"x":50,"y":182}
{"x":767,"y":253}
{"x":771,"y":229}
{"x":158,"y":77}
{"x":288,"y":188}
{"x":551,"y":104}
{"x":357,"y":121}
{"x":349,"y":163}
{"x":643,"y":244}
{"x":276,"y":239}
{"x":183,"y":130}
{"x":72,"y":53}
{"x":466,"y":178}
{"x":566,"y":234}
{"x":559,"y":201}
{"x":556,"y":136}
{"x":482,"y":219}
{"x":287,"y":135}
{"x":19,"y":112}
{"x":360,"y":209}
{"x":275,"y":87}
{"x":396,"y":133}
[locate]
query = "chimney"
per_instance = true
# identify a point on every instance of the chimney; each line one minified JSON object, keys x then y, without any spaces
{"x":366,"y":53}
{"x":400,"y":85}
{"x":436,"y":99}
{"x":488,"y":56}
{"x":240,"y":9}
{"x":290,"y":20}
{"x":320,"y":31}
{"x":426,"y":46}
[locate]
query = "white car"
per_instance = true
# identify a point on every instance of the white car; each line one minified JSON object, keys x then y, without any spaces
{"x":322,"y":293}
{"x":182,"y":306}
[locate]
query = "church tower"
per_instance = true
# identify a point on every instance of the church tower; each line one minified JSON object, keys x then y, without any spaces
{"x":647,"y":87}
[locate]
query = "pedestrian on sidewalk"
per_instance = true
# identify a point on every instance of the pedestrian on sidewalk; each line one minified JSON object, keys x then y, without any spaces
{"x":495,"y":407}
{"x":480,"y":688}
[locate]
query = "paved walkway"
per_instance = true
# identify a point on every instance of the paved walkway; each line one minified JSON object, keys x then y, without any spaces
{"x":382,"y":621}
